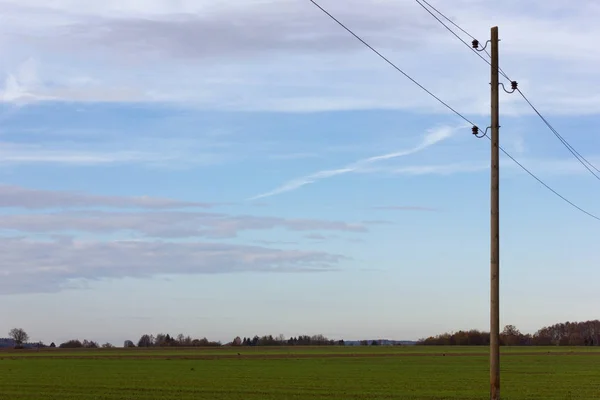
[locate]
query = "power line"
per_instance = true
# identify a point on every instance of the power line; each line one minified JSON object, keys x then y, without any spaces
{"x":546,"y":185}
{"x":447,"y":19}
{"x":389,"y":62}
{"x":470,"y":47}
{"x":586,"y":163}
{"x":575,"y":153}
{"x":449,"y":107}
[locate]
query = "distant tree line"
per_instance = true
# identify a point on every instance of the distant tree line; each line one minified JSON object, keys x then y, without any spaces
{"x":370,"y":343}
{"x":18,"y":337}
{"x":301,"y":340}
{"x":86,"y":344}
{"x":166,"y":340}
{"x":562,"y":334}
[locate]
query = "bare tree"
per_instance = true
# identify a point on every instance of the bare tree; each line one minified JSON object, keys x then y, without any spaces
{"x":180,"y":339}
{"x":90,"y":344}
{"x":145,"y":341}
{"x":160,"y":339}
{"x":19,"y":336}
{"x":510,"y":336}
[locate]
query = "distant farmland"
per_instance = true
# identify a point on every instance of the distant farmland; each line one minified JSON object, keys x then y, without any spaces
{"x":344,"y":373}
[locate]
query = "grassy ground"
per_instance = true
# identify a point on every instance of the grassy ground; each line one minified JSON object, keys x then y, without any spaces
{"x":298,"y":373}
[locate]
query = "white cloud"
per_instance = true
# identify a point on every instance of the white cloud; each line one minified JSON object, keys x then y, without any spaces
{"x":54,"y":261}
{"x":552,"y":167}
{"x":317,"y":236}
{"x":21,"y":87}
{"x":543,"y":167}
{"x":438,"y":169}
{"x":433,"y":137}
{"x":25,"y":154}
{"x":21,"y":197}
{"x":44,"y":266}
{"x":160,"y":218}
{"x":518,"y":144}
{"x":287,"y":56}
{"x":163,"y":224}
{"x":404,"y":208}
{"x":67,"y":153}
{"x":293,"y":156}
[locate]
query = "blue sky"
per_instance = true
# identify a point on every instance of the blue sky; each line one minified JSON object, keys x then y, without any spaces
{"x":247,"y":167}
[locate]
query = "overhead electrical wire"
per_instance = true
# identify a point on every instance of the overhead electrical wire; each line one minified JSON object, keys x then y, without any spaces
{"x":356,"y":36}
{"x":390,"y":62}
{"x":457,"y":36}
{"x":585,"y":162}
{"x":546,"y":185}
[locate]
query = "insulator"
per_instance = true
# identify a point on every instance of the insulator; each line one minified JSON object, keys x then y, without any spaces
{"x":475,"y":43}
{"x":475,"y":130}
{"x":513,"y":85}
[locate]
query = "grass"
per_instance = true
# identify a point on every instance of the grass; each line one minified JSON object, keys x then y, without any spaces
{"x":297,"y":373}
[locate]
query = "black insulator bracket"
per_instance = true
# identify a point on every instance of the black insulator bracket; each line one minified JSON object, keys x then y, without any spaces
{"x":478,"y":133}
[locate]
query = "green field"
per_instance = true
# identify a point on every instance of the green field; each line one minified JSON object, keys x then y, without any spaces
{"x":298,"y":373}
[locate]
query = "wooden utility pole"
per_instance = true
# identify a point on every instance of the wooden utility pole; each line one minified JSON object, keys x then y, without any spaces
{"x":495,"y":228}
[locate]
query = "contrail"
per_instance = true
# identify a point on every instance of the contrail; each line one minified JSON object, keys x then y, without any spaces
{"x":431,"y":138}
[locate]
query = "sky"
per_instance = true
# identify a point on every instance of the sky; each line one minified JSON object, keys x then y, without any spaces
{"x":224,"y":168}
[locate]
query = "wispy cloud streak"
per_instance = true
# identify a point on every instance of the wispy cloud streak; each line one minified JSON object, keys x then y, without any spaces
{"x":404,"y":208}
{"x":433,"y":137}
